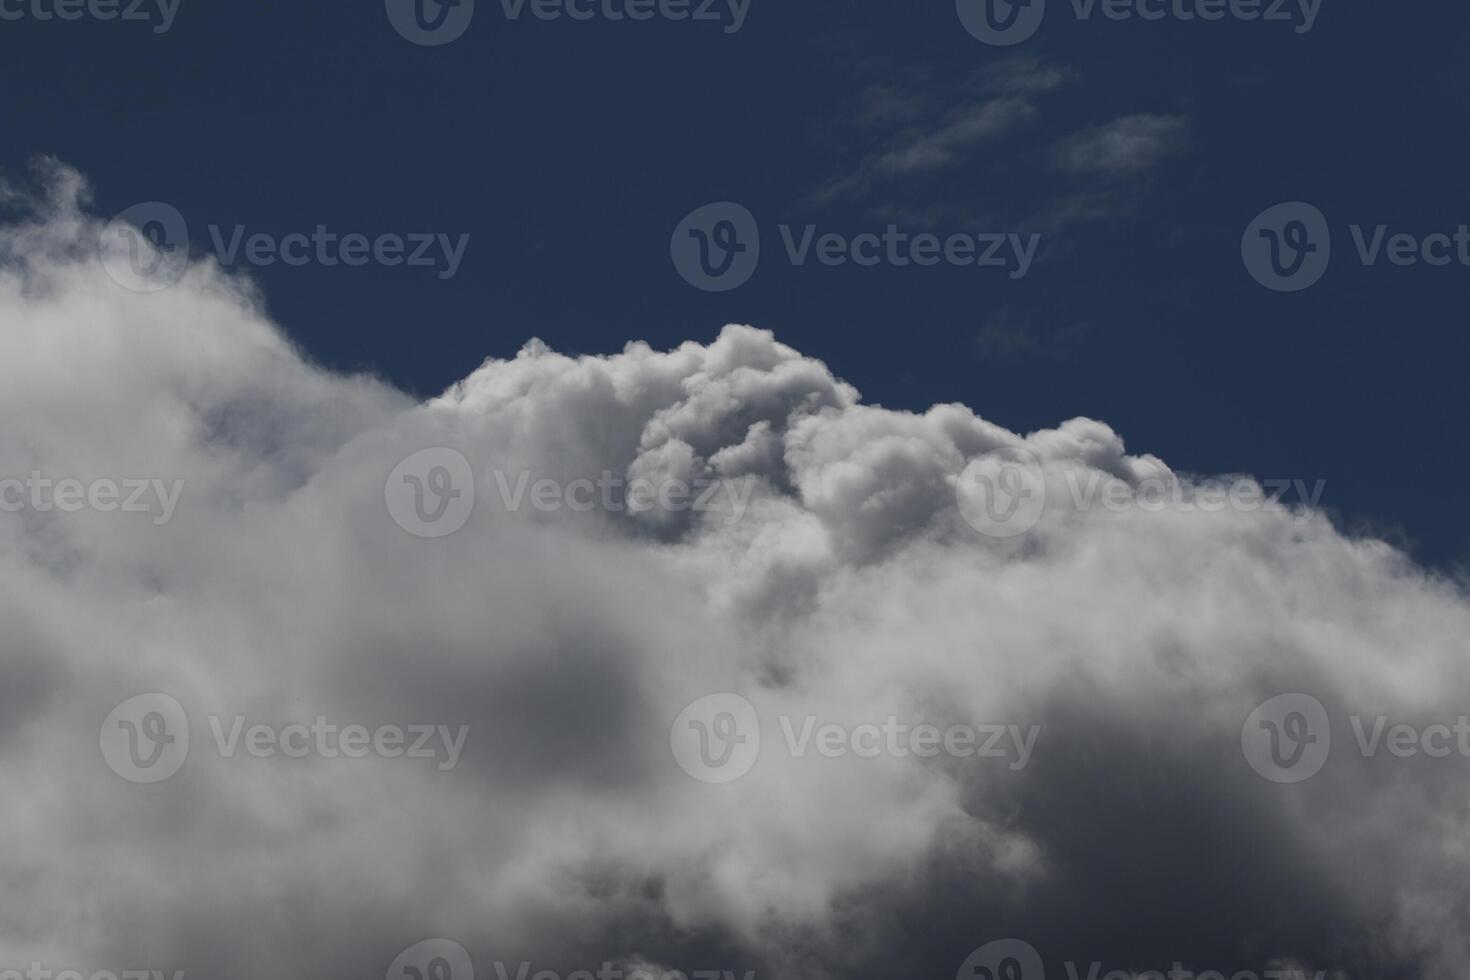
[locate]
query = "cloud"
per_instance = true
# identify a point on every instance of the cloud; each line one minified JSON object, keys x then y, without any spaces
{"x":911,"y":129}
{"x":1129,"y":145}
{"x":1006,"y":335}
{"x":852,"y":591}
{"x":919,"y":152}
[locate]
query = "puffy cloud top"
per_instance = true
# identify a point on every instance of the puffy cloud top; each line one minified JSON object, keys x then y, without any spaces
{"x":831,"y":574}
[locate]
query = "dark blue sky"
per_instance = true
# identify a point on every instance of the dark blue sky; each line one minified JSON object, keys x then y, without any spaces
{"x":569,"y":152}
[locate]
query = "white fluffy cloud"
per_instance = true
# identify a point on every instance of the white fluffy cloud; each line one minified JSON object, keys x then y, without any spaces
{"x":850,"y":589}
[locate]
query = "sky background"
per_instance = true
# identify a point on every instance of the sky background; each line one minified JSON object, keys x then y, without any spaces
{"x":569,"y":152}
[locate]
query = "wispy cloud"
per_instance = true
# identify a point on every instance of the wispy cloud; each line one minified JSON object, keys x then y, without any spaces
{"x":912,"y":130}
{"x":1125,"y":146}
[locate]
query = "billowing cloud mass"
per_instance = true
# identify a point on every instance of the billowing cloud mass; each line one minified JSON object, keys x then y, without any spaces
{"x":847,"y":587}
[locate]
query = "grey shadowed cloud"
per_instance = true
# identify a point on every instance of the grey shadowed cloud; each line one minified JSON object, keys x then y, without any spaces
{"x":850,"y":589}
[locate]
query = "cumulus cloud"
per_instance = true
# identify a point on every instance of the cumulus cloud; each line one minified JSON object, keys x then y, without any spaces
{"x":850,"y":590}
